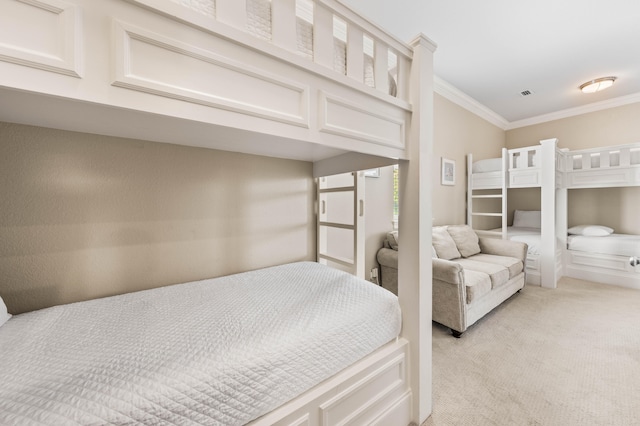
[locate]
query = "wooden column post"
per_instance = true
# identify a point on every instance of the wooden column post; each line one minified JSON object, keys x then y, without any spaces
{"x":414,"y":263}
{"x":548,"y":241}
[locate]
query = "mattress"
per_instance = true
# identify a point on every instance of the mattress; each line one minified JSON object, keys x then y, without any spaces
{"x":614,"y":244}
{"x":488,"y":165}
{"x":215,"y":352}
{"x":530,"y":236}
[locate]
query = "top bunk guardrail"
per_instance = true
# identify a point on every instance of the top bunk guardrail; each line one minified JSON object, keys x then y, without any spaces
{"x":524,"y":167}
{"x":609,"y":166}
{"x":324,"y":32}
{"x":312,"y":77}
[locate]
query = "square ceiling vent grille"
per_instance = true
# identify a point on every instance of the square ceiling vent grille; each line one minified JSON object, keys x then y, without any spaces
{"x":526,"y":93}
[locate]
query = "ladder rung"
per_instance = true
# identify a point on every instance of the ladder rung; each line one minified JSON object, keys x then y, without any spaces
{"x":337,"y":189}
{"x":337,"y":225}
{"x":342,"y":261}
{"x":487,"y":214}
{"x":487,"y":196}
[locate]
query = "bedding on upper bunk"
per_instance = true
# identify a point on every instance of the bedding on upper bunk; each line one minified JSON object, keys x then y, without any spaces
{"x":487,"y":165}
{"x":221,"y":351}
{"x":613,"y":244}
{"x":495,"y":164}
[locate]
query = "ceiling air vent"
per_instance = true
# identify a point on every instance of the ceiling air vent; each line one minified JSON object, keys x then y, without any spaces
{"x":526,"y":93}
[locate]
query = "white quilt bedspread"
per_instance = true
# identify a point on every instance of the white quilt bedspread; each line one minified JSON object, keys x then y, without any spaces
{"x":213,"y":352}
{"x":614,"y":244}
{"x":530,"y":236}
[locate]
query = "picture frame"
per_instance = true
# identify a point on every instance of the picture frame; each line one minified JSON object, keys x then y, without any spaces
{"x":448,"y":172}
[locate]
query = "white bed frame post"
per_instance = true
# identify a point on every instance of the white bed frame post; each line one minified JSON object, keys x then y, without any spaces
{"x":414,"y":263}
{"x":548,"y":272}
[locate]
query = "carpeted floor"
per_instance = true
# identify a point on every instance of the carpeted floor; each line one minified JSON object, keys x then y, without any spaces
{"x":569,"y":356}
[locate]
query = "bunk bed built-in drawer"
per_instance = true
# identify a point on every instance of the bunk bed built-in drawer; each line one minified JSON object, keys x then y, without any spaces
{"x":595,"y":260}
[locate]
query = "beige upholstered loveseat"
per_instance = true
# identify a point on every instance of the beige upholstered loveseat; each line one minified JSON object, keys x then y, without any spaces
{"x":471,"y":275}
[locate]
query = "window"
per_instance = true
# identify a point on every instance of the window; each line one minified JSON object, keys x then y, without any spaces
{"x":396,"y":206}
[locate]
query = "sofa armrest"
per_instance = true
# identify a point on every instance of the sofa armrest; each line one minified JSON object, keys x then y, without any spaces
{"x":388,"y":257}
{"x":500,"y":247}
{"x":449,"y":295}
{"x":447,"y":271}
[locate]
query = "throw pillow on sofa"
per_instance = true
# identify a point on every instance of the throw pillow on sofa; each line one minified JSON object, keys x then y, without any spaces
{"x":465,"y":238}
{"x":392,"y":240}
{"x":443,"y":244}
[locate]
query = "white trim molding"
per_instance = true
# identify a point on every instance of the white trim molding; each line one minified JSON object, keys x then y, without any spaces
{"x":570,"y":112}
{"x":63,"y":27}
{"x":455,"y":95}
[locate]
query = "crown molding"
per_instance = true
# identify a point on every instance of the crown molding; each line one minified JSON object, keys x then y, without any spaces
{"x":452,"y":93}
{"x":460,"y":98}
{"x":571,"y":112}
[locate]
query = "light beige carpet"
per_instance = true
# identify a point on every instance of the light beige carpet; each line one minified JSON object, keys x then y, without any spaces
{"x":569,"y":356}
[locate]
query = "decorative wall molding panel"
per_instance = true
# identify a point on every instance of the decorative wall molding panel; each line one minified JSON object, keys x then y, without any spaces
{"x":344,"y":118}
{"x":387,"y":383}
{"x":52,"y":40}
{"x":203,"y":77}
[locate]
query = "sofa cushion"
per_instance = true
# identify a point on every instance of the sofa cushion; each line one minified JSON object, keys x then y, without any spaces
{"x":514,"y":265}
{"x":477,"y":283}
{"x":392,"y":240}
{"x":465,"y":238}
{"x":498,"y":273}
{"x":443,"y":243}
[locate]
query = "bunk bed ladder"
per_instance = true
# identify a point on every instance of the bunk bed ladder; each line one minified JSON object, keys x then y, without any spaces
{"x":497,"y":191}
{"x":340,"y":228}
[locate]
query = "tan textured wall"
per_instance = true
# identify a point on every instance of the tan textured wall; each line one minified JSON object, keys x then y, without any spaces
{"x":456,"y":133}
{"x":85,"y":216}
{"x":378,"y":215}
{"x":617,"y":207}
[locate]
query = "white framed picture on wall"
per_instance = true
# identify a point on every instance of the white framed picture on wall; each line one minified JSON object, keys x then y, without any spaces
{"x":448,"y":172}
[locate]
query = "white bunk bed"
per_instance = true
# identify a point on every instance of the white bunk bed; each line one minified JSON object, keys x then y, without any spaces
{"x":203,"y":73}
{"x":597,"y":253}
{"x":601,"y":258}
{"x":528,"y":167}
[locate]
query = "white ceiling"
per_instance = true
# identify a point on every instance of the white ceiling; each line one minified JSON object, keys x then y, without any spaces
{"x":492,"y":50}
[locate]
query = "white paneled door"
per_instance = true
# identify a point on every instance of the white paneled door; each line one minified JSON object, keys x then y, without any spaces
{"x":341,"y":222}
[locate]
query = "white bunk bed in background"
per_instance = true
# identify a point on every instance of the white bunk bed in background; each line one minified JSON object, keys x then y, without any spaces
{"x":528,"y":167}
{"x":276,"y":78}
{"x":590,"y":254}
{"x":596,"y":252}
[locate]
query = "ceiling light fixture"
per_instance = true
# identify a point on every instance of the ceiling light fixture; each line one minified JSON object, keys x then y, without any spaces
{"x":597,"y":84}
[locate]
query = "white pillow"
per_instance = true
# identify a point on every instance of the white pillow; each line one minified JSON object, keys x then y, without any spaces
{"x":465,"y":238}
{"x":527,"y":219}
{"x":591,"y":230}
{"x":4,"y":315}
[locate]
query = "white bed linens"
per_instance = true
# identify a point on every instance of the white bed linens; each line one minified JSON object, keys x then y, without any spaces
{"x":487,"y":165}
{"x":530,"y":236}
{"x":614,"y":244}
{"x":218,"y":352}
